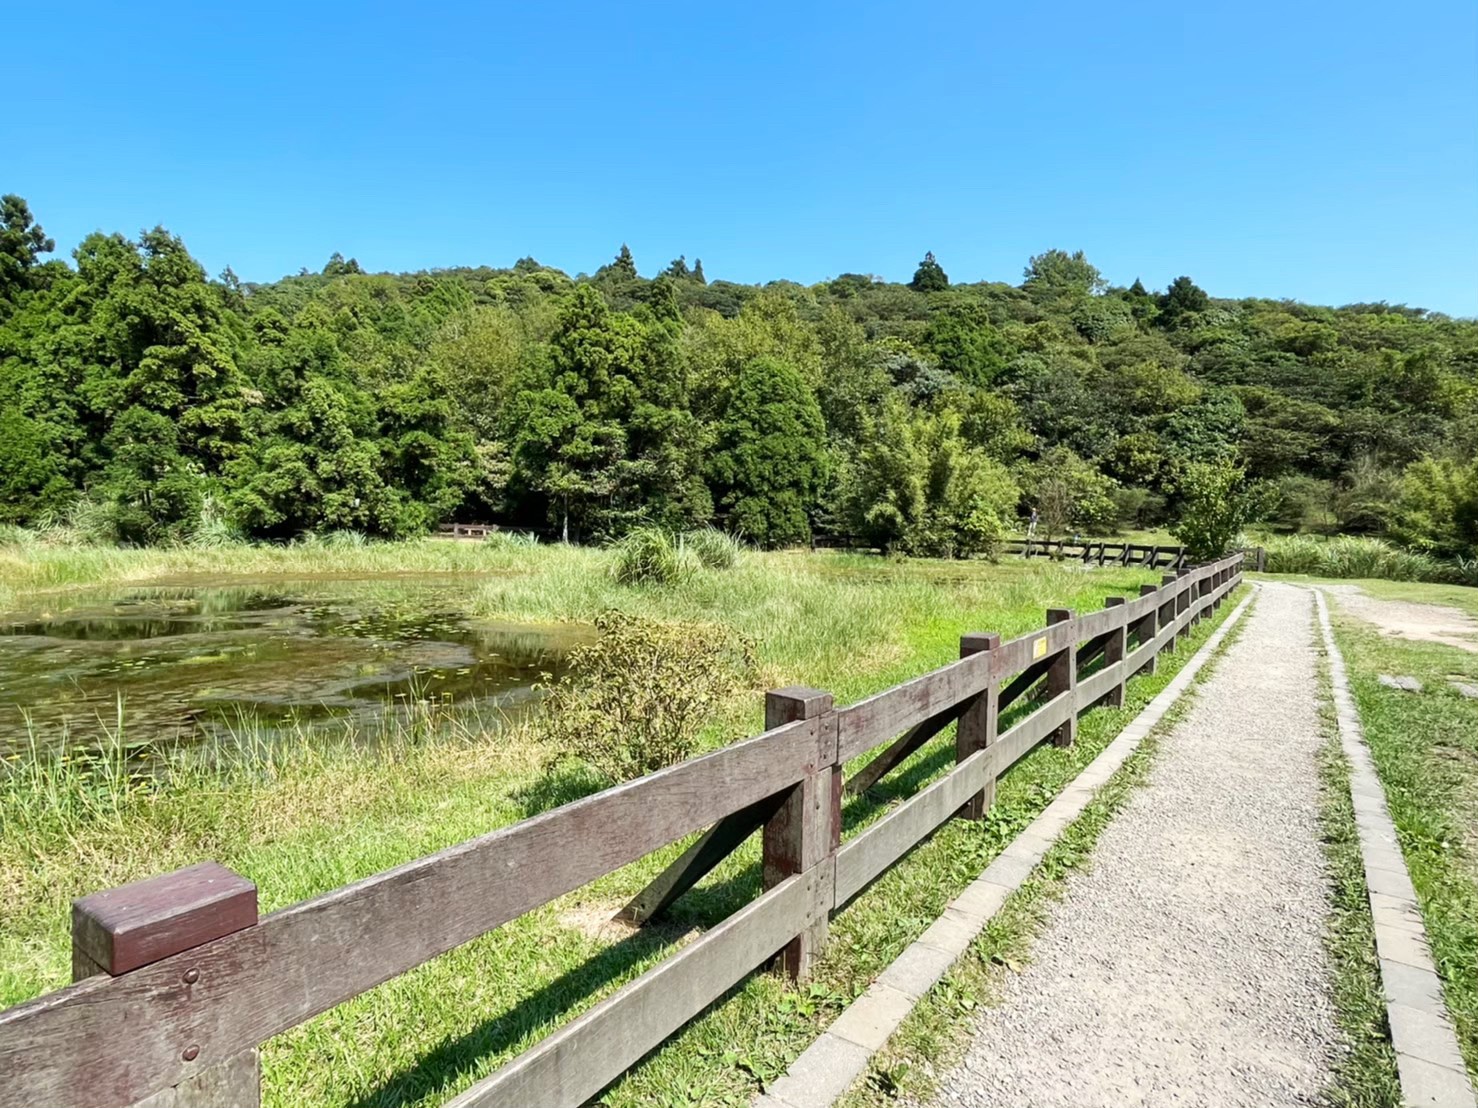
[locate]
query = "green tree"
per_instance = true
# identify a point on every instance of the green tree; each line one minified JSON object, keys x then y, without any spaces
{"x":930,"y":276}
{"x":22,"y":242}
{"x":1057,"y":276}
{"x":1181,"y":303}
{"x":1216,"y":501}
{"x":1437,"y":509}
{"x":916,"y":487}
{"x":962,"y":338}
{"x":768,"y":464}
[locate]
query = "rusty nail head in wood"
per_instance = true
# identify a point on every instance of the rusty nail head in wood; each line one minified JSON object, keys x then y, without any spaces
{"x":191,"y":1053}
{"x":192,"y":975}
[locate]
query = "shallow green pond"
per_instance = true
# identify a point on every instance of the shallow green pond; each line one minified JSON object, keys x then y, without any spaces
{"x":195,"y":662}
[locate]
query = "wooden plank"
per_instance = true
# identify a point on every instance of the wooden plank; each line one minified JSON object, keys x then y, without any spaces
{"x":1019,"y":741}
{"x":909,"y":742}
{"x":307,"y":958}
{"x":234,"y":1083}
{"x":571,"y":1066}
{"x":132,"y":925}
{"x":1094,"y":688}
{"x":866,"y":855}
{"x":1094,"y":624}
{"x":711,"y":848}
{"x":862,"y":858}
{"x":1018,"y":655}
{"x":864,"y":725}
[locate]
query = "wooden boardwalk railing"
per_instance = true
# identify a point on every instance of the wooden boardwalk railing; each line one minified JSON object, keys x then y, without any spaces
{"x":179,"y":981}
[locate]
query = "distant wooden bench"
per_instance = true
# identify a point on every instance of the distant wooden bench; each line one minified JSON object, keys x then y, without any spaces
{"x":178,"y":981}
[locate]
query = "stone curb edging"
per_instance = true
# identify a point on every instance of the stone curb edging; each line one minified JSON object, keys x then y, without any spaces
{"x":840,"y":1055}
{"x":1428,"y":1062}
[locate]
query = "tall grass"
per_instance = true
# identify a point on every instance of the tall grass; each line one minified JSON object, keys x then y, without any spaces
{"x":714,"y":548}
{"x":652,"y":556}
{"x":1355,"y":556}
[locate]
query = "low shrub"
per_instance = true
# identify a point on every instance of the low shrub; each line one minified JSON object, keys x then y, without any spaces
{"x":636,"y":698}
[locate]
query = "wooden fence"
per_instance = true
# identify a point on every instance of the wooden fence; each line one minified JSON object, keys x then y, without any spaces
{"x":178,"y":981}
{"x":477,"y":531}
{"x":1100,"y":553}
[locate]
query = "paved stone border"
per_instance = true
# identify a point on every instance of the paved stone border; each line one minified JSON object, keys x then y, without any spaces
{"x":829,"y":1066}
{"x":1428,"y":1062}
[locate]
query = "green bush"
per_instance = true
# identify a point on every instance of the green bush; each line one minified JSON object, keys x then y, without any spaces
{"x":636,"y":699}
{"x":714,"y":548}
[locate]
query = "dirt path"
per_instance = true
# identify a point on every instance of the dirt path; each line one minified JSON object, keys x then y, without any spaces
{"x":1187,"y":966}
{"x":1405,"y":619}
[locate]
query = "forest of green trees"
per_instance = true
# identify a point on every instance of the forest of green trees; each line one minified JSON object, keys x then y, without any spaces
{"x":145,"y":402}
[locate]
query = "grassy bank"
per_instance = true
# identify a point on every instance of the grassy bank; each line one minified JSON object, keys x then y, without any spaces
{"x":311,"y":819}
{"x":1425,"y":747}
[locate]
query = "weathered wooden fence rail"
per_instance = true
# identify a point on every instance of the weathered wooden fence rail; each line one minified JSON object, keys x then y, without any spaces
{"x":179,"y":981}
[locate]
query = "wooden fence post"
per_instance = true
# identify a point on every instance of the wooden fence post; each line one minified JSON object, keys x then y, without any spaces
{"x":1182,"y":604}
{"x":977,"y":727}
{"x":1149,"y":627}
{"x":1169,"y":608}
{"x":805,"y":832}
{"x":134,"y":925}
{"x":1114,"y":651}
{"x":1062,"y":677}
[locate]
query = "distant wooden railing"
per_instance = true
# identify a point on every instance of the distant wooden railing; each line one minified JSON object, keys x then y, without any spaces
{"x":1100,"y":553}
{"x":179,"y":981}
{"x":467,"y":530}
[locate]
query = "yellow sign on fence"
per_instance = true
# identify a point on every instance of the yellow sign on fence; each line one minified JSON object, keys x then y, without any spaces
{"x":1039,"y":648}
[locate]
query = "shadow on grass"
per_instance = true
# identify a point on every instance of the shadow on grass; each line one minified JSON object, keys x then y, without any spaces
{"x":436,"y":1070}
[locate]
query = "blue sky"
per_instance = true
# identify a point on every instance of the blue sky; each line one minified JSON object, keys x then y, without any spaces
{"x":1327,"y":152}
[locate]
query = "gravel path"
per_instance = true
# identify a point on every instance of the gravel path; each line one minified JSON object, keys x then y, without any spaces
{"x":1187,"y":966}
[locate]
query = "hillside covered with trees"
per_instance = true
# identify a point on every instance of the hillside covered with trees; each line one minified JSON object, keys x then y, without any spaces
{"x":141,"y":401}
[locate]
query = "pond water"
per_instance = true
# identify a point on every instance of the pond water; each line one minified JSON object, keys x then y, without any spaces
{"x":196,"y":663}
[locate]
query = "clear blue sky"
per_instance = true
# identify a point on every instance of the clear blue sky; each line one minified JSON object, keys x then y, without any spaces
{"x":1327,"y":152}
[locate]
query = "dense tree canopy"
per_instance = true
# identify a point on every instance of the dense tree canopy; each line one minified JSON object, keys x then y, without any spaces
{"x":926,"y":417}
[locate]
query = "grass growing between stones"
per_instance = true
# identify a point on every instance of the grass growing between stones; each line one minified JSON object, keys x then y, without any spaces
{"x":1365,"y":1077}
{"x":311,"y":819}
{"x":1425,"y":748}
{"x":936,"y":1033}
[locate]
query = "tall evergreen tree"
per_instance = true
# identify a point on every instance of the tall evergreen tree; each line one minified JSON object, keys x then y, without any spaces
{"x":930,"y":276}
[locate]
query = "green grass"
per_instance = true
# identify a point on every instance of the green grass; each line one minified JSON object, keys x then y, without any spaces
{"x":1425,"y":748}
{"x":1365,"y":1076}
{"x":309,"y":820}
